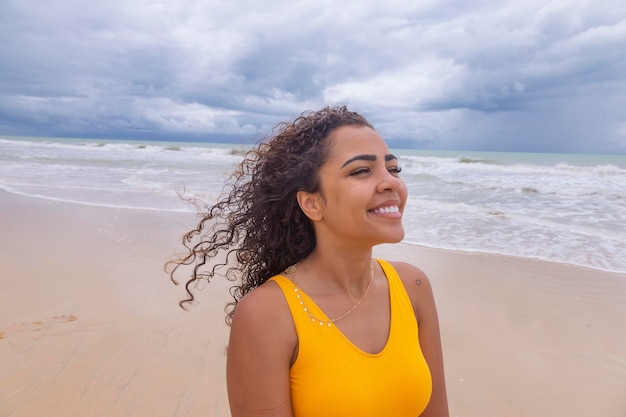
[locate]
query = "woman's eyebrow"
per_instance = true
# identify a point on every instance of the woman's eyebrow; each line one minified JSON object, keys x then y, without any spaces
{"x":367,"y":157}
{"x":363,"y":157}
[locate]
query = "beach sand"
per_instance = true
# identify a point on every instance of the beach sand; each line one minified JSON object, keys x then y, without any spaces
{"x":90,"y":325}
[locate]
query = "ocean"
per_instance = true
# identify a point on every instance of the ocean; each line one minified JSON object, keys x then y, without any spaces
{"x":566,"y":208}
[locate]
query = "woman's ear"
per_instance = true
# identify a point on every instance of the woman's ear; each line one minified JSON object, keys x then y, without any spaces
{"x":311,"y":205}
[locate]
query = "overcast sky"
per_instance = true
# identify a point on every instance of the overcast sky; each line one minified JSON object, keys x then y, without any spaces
{"x":521,"y":75}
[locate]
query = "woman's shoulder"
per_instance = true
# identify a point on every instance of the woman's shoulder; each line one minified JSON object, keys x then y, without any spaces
{"x":410,"y":274}
{"x":416,"y":283}
{"x":262,"y":326}
{"x":264,"y":304}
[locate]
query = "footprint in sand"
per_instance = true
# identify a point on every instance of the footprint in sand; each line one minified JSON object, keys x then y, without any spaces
{"x":35,"y":326}
{"x":65,"y":318}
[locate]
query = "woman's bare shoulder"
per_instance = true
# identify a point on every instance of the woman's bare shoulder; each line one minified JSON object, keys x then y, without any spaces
{"x":417,"y":285}
{"x":265,"y":306}
{"x":411,"y":275}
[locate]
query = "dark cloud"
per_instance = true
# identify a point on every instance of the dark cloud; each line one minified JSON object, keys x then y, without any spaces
{"x":516,"y":75}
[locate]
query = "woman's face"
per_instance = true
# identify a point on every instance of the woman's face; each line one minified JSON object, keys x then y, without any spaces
{"x":361,"y":195}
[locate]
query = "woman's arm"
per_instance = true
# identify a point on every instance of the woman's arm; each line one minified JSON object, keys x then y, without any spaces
{"x":261,"y":347}
{"x":420,"y":292}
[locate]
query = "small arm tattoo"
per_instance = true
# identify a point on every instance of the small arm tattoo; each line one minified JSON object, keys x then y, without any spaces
{"x":418,"y":282}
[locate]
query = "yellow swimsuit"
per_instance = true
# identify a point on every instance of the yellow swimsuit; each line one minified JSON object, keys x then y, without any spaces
{"x":331,"y":377}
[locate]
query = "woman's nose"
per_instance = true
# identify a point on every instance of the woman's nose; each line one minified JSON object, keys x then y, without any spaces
{"x":390,"y":183}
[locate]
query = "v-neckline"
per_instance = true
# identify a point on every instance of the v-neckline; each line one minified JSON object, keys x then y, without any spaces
{"x":324,"y":317}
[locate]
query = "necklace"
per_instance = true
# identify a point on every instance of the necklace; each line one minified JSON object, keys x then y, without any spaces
{"x":292,"y":271}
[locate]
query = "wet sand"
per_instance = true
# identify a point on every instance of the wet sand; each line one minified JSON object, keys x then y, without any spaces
{"x":90,"y":325}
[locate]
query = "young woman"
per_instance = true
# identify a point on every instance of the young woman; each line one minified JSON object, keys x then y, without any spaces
{"x":319,"y":327}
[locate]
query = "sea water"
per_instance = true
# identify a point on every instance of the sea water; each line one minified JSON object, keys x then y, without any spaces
{"x":558,"y":207}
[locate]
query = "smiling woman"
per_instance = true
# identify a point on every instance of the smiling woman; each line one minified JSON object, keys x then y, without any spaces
{"x":319,"y":327}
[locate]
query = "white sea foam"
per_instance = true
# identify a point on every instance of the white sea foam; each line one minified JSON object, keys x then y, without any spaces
{"x":563,"y":208}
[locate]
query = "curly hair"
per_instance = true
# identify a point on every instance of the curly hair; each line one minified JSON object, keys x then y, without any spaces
{"x":258,"y":218}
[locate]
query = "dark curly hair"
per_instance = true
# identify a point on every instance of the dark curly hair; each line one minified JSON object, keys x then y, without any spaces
{"x":258,"y":218}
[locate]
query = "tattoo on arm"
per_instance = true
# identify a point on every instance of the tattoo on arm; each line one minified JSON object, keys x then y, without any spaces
{"x":418,"y":282}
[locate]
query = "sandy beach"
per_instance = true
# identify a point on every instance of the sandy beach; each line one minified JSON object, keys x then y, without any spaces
{"x":90,"y":325}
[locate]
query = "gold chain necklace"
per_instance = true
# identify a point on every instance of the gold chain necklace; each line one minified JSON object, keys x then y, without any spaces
{"x":292,"y":271}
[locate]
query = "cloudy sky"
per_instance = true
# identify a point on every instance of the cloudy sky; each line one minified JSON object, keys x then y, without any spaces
{"x":521,"y":75}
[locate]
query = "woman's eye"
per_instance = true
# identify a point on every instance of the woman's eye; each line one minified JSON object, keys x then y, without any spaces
{"x":360,"y":171}
{"x":394,"y":170}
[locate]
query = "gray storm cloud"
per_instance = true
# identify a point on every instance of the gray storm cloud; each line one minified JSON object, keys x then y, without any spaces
{"x":514,"y":75}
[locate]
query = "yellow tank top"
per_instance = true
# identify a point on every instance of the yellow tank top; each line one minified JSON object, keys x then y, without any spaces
{"x":332,"y":377}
